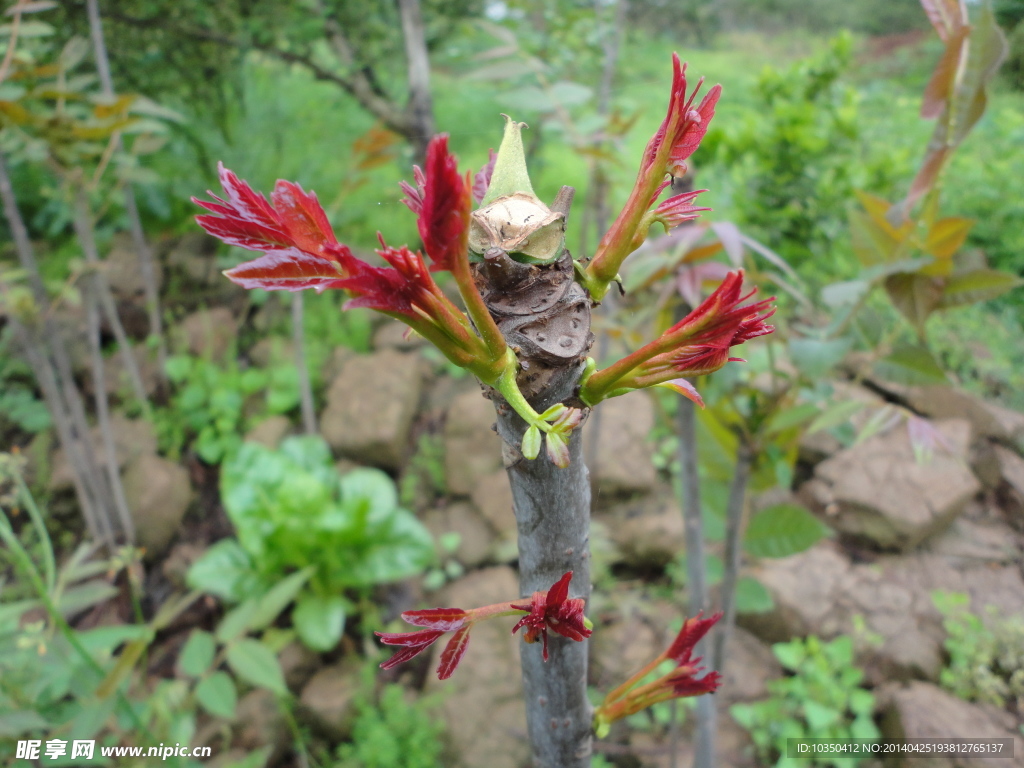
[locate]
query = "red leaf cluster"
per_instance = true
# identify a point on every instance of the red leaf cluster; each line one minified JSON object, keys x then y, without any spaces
{"x":553,"y":610}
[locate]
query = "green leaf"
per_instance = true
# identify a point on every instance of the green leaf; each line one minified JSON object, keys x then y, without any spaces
{"x":911,"y":366}
{"x":197,"y":655}
{"x":238,"y":620}
{"x":790,"y":655}
{"x":225,"y":570}
{"x":820,"y":717}
{"x":986,"y":49}
{"x":21,"y":722}
{"x":277,"y":599}
{"x":815,"y":358}
{"x":915,"y":296}
{"x":319,"y":620}
{"x":217,"y":695}
{"x":752,"y":597}
{"x":979,"y":285}
{"x":782,"y":530}
{"x":253,"y":662}
{"x":531,"y":443}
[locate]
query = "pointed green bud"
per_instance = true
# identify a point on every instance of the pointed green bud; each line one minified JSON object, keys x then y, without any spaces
{"x":510,"y":175}
{"x":511,"y":217}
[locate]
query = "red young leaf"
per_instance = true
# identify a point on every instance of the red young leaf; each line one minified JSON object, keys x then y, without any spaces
{"x":693,"y":630}
{"x":303,"y":217}
{"x":444,"y":210}
{"x":684,"y":683}
{"x":414,"y":643}
{"x":444,"y":619}
{"x":245,"y":219}
{"x":559,"y":590}
{"x":482,"y":179}
{"x":287,"y":270}
{"x":453,"y":653}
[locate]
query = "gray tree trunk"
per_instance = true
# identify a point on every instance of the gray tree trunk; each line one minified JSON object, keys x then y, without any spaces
{"x":545,"y":316}
{"x":552,"y":509}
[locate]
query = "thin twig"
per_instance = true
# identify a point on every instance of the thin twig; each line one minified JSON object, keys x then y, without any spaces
{"x":142,"y":249}
{"x":302,"y":364}
{"x":12,"y":43}
{"x":704,"y":751}
{"x":735,"y":522}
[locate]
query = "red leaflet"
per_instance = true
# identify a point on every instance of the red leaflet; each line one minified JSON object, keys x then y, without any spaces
{"x":684,"y":683}
{"x":287,"y":270}
{"x":414,"y":195}
{"x":247,"y":220}
{"x":698,"y":344}
{"x":692,"y":632}
{"x":414,"y":644}
{"x":683,"y":126}
{"x":444,"y":619}
{"x":444,"y":203}
{"x":677,"y":209}
{"x":396,"y":290}
{"x":482,"y":179}
{"x":552,"y":610}
{"x":303,"y":217}
{"x":453,"y":653}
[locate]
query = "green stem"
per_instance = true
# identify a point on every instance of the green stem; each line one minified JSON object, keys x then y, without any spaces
{"x":24,"y":563}
{"x":509,"y":389}
{"x":49,"y":562}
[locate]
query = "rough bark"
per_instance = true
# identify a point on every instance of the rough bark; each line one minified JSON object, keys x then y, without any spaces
{"x":735,"y":519}
{"x":545,"y":316}
{"x":696,"y":587}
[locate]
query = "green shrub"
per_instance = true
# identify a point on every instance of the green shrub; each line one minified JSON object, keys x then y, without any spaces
{"x":292,"y":512}
{"x":393,"y":733}
{"x":986,"y":658}
{"x":821,"y":698}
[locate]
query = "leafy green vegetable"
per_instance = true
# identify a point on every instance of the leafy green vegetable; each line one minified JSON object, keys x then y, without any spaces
{"x":293,"y":513}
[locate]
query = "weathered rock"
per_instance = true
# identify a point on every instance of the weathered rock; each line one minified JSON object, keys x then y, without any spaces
{"x":124,"y":271}
{"x":327,"y":701}
{"x":395,"y":335}
{"x":977,"y":541}
{"x":206,"y":333}
{"x":818,"y":592}
{"x":298,"y":663}
{"x":270,"y":432}
{"x":193,"y":254}
{"x":923,"y":711}
{"x":472,"y":449}
{"x":625,"y":643}
{"x":492,"y":495}
{"x":371,"y":405}
{"x":878,"y":492}
{"x":158,"y":494}
{"x":647,"y":530}
{"x":483,"y":700}
{"x":116,"y":377}
{"x":944,"y":402}
{"x":475,"y":536}
{"x":132,"y":437}
{"x":259,"y":722}
{"x":622,"y":456}
{"x":1011,"y":485}
{"x":270,"y":349}
{"x":1010,"y":421}
{"x":749,"y":665}
{"x":181,"y":557}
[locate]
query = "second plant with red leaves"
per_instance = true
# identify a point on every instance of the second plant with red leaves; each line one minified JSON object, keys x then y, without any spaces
{"x":552,"y":610}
